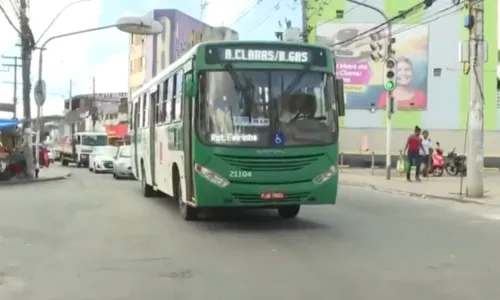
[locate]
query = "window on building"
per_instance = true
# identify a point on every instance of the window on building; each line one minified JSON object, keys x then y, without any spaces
{"x":164,"y":32}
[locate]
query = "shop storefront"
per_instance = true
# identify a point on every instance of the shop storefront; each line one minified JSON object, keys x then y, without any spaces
{"x":10,"y":151}
{"x":118,"y":134}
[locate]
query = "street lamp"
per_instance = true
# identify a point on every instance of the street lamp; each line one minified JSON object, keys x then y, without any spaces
{"x":133,"y":25}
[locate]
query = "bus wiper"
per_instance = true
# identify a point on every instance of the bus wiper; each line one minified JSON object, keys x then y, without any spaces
{"x":234,"y":76}
{"x":297,"y":79}
{"x":246,"y":90}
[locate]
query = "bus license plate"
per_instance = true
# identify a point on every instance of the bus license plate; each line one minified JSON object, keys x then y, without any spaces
{"x":271,"y":195}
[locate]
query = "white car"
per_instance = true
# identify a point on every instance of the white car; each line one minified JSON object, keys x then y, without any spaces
{"x":101,"y":159}
{"x":122,"y":164}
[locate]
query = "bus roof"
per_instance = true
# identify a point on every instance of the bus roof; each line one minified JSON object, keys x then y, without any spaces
{"x":189,"y":54}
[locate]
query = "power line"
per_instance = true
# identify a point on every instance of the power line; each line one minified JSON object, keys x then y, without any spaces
{"x":245,"y":12}
{"x":275,"y":8}
{"x":363,"y":34}
{"x":9,"y":20}
{"x":306,"y":31}
{"x":14,"y":7}
{"x":433,"y":17}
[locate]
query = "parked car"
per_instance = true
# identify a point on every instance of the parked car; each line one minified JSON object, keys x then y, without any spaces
{"x":122,"y":167}
{"x":101,"y":159}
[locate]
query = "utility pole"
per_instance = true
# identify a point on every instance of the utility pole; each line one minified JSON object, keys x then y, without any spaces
{"x":475,"y":132}
{"x":15,"y":65}
{"x":203,"y":6}
{"x":70,"y":94}
{"x":27,"y":44}
{"x":93,"y":110}
{"x":305,"y":22}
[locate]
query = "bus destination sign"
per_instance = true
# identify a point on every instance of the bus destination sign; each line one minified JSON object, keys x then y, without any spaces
{"x":257,"y":53}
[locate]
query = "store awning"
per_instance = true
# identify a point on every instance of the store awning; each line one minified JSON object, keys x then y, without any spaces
{"x":117,"y":131}
{"x":7,"y":124}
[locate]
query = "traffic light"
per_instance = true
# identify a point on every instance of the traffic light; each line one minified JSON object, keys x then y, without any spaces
{"x":390,"y":51}
{"x":377,"y":47}
{"x":390,"y":74}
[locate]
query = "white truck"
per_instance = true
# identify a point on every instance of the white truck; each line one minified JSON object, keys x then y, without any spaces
{"x":78,"y":148}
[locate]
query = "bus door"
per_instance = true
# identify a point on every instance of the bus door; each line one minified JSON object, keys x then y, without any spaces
{"x":153,"y":104}
{"x":187,"y":119}
{"x":135,"y":123}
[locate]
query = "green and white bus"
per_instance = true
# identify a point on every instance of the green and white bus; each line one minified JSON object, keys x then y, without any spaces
{"x":240,"y":124}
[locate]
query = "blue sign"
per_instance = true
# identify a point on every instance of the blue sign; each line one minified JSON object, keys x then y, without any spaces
{"x":279,"y":138}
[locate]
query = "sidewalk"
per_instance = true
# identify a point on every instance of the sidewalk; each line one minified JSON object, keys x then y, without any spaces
{"x":46,"y":174}
{"x":445,"y":187}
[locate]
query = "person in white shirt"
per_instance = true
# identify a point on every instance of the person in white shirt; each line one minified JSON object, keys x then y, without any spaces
{"x":425,"y":152}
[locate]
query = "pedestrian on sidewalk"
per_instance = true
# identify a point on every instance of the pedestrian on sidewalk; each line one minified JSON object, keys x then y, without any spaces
{"x":425,"y":153}
{"x":412,"y":149}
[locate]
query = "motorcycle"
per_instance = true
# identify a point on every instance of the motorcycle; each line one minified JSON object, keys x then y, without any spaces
{"x":456,"y":164}
{"x":437,"y":163}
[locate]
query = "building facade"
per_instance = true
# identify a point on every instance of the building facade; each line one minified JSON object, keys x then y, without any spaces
{"x":92,"y":112}
{"x":151,"y":54}
{"x":433,"y":86}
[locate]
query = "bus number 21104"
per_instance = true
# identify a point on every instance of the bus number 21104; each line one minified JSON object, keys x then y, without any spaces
{"x":240,"y":174}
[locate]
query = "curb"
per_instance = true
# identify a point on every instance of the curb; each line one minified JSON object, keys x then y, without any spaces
{"x":413,"y":194}
{"x":33,"y":181}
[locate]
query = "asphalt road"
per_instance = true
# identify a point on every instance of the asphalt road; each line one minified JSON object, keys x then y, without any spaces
{"x":91,"y":237}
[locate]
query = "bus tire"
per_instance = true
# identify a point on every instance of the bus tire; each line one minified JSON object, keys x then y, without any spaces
{"x":188,"y":213}
{"x":147,"y":190}
{"x":289,"y":212}
{"x":64,"y":162}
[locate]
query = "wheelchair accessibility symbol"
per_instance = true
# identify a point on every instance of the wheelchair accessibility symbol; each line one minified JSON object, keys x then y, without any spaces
{"x":279,"y":139}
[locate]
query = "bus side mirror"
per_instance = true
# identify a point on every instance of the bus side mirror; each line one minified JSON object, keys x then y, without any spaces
{"x":189,"y":89}
{"x":340,"y":96}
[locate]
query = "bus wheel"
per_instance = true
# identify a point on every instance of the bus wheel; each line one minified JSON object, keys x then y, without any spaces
{"x":188,"y":212}
{"x":289,"y":212}
{"x":147,"y":190}
{"x":64,"y":162}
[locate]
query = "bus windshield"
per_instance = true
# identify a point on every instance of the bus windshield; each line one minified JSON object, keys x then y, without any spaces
{"x":94,"y":140}
{"x":248,"y":107}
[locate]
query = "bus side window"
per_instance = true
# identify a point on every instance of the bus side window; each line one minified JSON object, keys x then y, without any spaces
{"x":178,"y":97}
{"x":157,"y":105}
{"x":136,"y":114}
{"x":174,"y":97}
{"x":164,"y":97}
{"x":142,"y":115}
{"x":129,"y":110}
{"x":340,"y":96}
{"x":168,"y":104}
{"x":78,"y":140}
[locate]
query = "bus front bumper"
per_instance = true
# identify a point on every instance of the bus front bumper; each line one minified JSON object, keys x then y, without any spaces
{"x":263,"y":195}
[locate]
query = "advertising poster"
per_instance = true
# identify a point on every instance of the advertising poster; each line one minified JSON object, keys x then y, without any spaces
{"x":363,"y":78}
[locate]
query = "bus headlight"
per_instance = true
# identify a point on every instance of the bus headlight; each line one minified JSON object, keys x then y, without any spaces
{"x":211,"y":175}
{"x":325,"y":175}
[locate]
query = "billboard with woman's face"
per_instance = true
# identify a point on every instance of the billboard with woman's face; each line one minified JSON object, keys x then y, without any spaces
{"x":363,"y":78}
